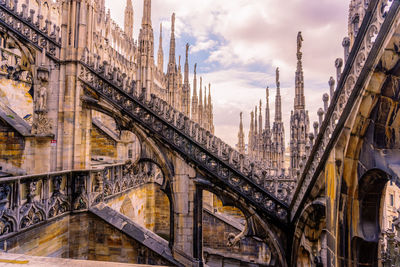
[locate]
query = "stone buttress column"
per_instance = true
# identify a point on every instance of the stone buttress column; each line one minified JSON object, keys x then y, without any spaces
{"x":198,"y":226}
{"x":73,"y":148}
{"x":184,"y":190}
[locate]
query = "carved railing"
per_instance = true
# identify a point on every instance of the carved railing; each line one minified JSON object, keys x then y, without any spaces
{"x":335,"y":116}
{"x":36,"y":30}
{"x":199,"y":146}
{"x":26,"y":201}
{"x":119,"y":178}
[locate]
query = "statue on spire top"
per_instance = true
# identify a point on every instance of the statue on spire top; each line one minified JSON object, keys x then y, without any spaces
{"x":277,"y":77}
{"x":299,"y":45}
{"x":299,"y":41}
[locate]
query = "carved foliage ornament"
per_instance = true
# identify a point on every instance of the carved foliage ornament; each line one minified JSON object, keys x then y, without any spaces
{"x":7,"y":223}
{"x":32,"y":212}
{"x":80,"y":200}
{"x":58,"y":202}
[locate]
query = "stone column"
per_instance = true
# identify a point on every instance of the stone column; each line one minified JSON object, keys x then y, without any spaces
{"x":183,"y":191}
{"x":73,"y":149}
{"x":198,"y":226}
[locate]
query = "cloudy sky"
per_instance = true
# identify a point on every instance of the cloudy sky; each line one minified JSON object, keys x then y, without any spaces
{"x":239,"y":43}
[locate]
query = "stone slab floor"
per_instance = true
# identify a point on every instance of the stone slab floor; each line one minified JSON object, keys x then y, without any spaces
{"x":19,"y":260}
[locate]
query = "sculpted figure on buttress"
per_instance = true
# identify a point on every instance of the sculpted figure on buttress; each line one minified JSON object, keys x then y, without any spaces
{"x":41,"y":102}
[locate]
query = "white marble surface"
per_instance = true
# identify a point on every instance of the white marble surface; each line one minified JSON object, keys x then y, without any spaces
{"x":9,"y":259}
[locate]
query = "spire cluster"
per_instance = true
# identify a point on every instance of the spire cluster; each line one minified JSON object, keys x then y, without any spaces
{"x":267,"y":144}
{"x":173,"y":86}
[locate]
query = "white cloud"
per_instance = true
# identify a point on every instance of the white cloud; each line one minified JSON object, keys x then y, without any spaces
{"x":239,"y":35}
{"x":201,"y":46}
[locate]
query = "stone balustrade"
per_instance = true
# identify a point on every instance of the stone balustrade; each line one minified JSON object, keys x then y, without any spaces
{"x":26,"y":201}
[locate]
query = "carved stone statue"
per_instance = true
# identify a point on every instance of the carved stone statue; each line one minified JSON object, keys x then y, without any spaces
{"x":41,"y":101}
{"x":277,"y":77}
{"x":299,"y":42}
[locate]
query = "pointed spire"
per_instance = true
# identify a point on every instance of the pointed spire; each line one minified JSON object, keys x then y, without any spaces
{"x":299,"y":100}
{"x":260,"y":119}
{"x":255,"y":121}
{"x":128,"y":19}
{"x":278,"y":101}
{"x":252,"y":121}
{"x":186,"y":86}
{"x":179,"y":73}
{"x":195,"y":81}
{"x":160,"y":58}
{"x":129,"y":4}
{"x":205,"y":98}
{"x":186,"y":75}
{"x":172,"y":75}
{"x":172,"y":59}
{"x":102,"y":7}
{"x":146,"y":20}
{"x":145,"y":57}
{"x":205,"y":109}
{"x":251,"y":134}
{"x":200,"y":108}
{"x":267,"y":123}
{"x":194,"y":97}
{"x":210,"y":110}
{"x":200,"y":93}
{"x":241,"y":135}
{"x":209,"y":95}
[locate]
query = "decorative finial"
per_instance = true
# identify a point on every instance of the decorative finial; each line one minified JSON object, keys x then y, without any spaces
{"x":338,"y":66}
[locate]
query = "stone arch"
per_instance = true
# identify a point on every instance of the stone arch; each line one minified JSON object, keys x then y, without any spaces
{"x":255,"y":226}
{"x":109,"y":139}
{"x":368,"y":152}
{"x":309,"y":234}
{"x":16,"y":66}
{"x":222,"y":224}
{"x":148,"y":202}
{"x":365,"y":242}
{"x":150,"y":148}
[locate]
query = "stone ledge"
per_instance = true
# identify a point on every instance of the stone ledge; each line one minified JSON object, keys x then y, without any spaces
{"x":9,"y":259}
{"x":15,"y":121}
